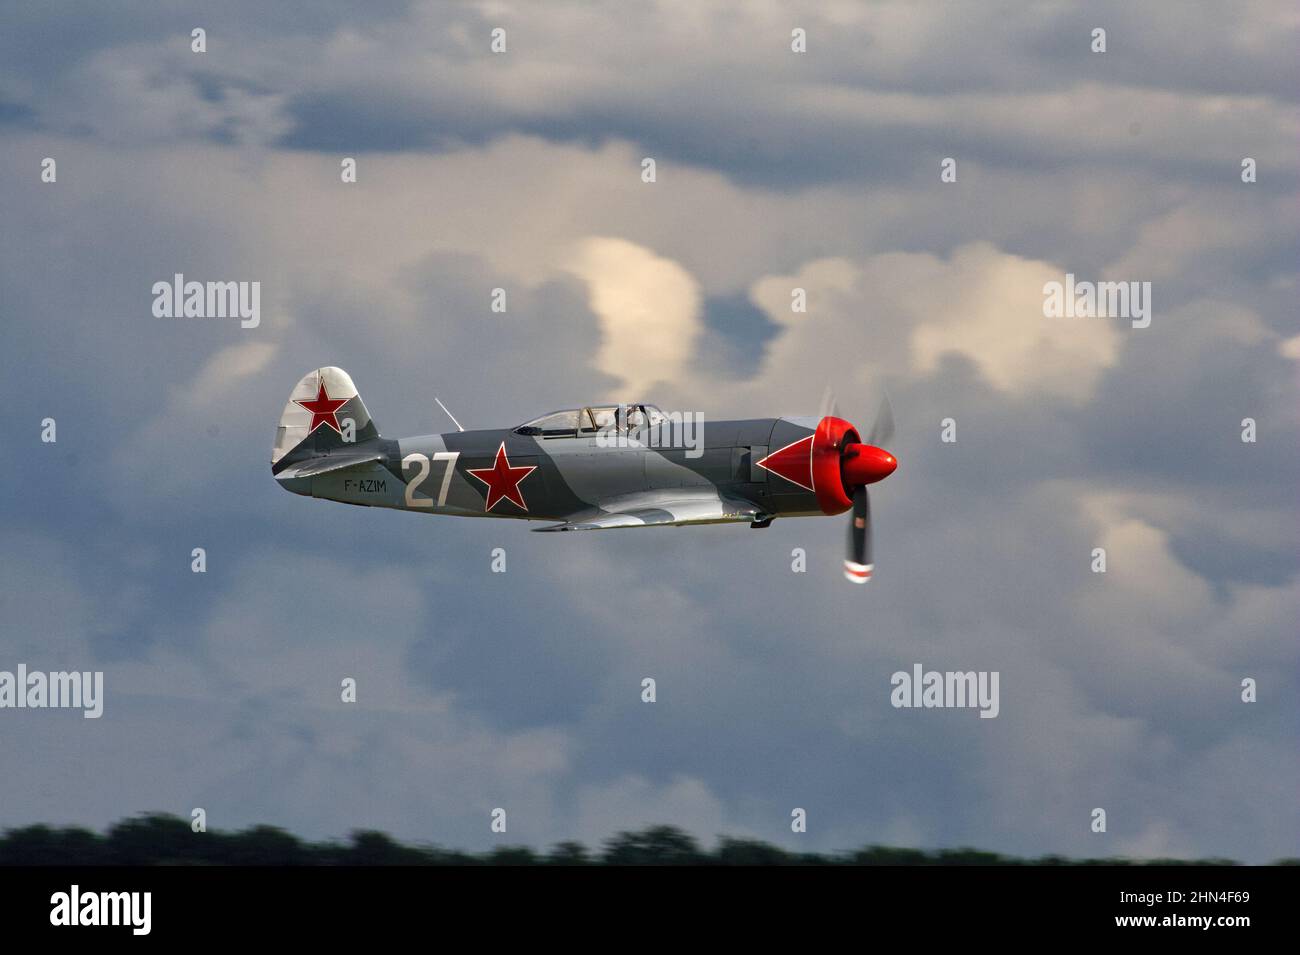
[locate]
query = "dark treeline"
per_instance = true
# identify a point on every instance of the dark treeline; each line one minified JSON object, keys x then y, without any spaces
{"x":167,"y":840}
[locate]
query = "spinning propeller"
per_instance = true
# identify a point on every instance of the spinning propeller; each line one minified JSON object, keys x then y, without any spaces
{"x":860,"y":464}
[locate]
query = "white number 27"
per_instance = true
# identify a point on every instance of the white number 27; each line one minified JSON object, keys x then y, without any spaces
{"x":422,"y":462}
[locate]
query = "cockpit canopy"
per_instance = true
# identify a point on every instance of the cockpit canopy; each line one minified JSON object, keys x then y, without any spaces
{"x":575,"y":421}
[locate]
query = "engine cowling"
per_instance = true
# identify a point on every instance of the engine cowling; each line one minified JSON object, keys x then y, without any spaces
{"x":830,"y":439}
{"x":831,"y":462}
{"x":814,"y":463}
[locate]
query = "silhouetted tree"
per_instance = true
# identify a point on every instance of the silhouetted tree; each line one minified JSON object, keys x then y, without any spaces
{"x":751,"y":852}
{"x":378,"y":848}
{"x":41,"y":845}
{"x":658,"y":845}
{"x":265,"y":845}
{"x":569,"y":853}
{"x":513,"y":855}
{"x":967,"y":856}
{"x":153,"y":838}
{"x":884,"y":855}
{"x":158,"y":839}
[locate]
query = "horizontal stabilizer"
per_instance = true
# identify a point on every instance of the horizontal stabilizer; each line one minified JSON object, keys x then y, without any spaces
{"x":327,"y":463}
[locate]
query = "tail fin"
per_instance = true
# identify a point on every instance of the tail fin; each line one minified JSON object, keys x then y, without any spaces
{"x":324,"y":412}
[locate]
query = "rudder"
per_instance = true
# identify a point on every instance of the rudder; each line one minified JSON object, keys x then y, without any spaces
{"x":323,"y":411}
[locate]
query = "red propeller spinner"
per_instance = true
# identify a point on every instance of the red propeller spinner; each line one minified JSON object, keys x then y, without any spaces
{"x":866,"y":464}
{"x":859,"y":463}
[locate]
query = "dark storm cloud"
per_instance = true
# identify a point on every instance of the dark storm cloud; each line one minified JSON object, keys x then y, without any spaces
{"x":839,"y":113}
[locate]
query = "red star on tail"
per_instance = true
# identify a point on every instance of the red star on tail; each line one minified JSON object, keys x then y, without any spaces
{"x":502,"y":480}
{"x":324,"y":410}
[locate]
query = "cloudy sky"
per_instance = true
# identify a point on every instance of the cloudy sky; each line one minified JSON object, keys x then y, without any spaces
{"x":775,"y":170}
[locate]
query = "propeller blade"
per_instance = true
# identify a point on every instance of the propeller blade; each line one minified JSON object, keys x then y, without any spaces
{"x":858,"y":566}
{"x":829,"y":405}
{"x":882,"y":429}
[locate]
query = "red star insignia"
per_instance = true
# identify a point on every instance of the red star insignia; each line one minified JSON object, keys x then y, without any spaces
{"x":324,"y":410}
{"x":502,"y":480}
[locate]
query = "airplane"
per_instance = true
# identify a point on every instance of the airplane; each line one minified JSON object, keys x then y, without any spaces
{"x":588,"y":468}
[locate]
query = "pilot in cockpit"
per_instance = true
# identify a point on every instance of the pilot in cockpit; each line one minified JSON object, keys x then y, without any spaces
{"x":606,"y":419}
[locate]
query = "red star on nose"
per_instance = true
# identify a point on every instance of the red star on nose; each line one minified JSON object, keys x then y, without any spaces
{"x":502,"y":480}
{"x":323,"y":410}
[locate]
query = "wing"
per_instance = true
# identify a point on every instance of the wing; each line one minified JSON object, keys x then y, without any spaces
{"x":666,"y":508}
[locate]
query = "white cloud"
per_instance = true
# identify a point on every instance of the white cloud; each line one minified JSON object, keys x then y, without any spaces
{"x":908,"y":310}
{"x":649,"y":311}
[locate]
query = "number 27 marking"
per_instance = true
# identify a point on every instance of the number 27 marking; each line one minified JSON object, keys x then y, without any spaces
{"x":422,"y":462}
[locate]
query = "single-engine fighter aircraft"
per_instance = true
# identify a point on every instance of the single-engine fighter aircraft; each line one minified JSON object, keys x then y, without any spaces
{"x":588,"y":468}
